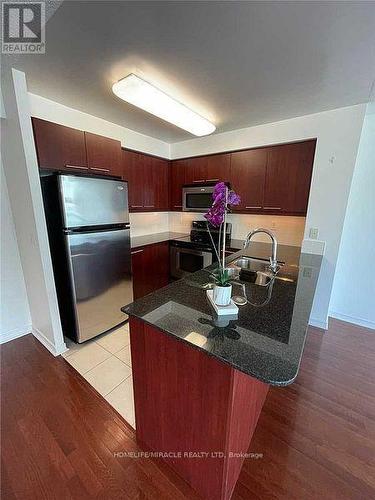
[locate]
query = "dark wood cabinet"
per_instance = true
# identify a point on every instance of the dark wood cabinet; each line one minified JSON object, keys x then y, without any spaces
{"x":59,"y":147}
{"x":218,"y":168}
{"x":132,"y":171}
{"x":148,"y":181}
{"x":299,"y":161}
{"x":247,"y":178}
{"x":196,"y":170}
{"x":288,"y":178}
{"x":68,"y":149}
{"x":275,"y":184}
{"x":177,"y":180}
{"x":160,"y":182}
{"x":270,"y":180}
{"x":103,"y":154}
{"x":150,"y":268}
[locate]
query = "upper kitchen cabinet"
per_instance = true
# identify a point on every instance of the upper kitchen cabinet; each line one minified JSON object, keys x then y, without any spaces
{"x":159,"y":176}
{"x":64,"y":148}
{"x":59,"y":147}
{"x":132,"y":171}
{"x":177,"y":180}
{"x":247,"y":176}
{"x":196,"y":170}
{"x":288,"y":178}
{"x":300,"y":159}
{"x":103,"y":154}
{"x":147,"y":178}
{"x":218,"y":168}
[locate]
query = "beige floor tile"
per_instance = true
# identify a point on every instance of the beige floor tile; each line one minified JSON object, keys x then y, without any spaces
{"x":121,"y":398}
{"x":72,"y":346}
{"x":115,"y":340}
{"x":125,"y":355}
{"x":87,"y":357}
{"x":107,"y":375}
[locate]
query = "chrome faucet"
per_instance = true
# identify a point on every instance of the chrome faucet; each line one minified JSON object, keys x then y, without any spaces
{"x":273,"y":259}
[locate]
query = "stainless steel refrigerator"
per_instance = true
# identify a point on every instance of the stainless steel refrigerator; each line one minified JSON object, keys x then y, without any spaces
{"x":89,"y":235}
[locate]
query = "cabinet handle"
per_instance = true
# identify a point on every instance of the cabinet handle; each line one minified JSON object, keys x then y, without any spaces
{"x":100,"y":169}
{"x":253,"y":208}
{"x":200,"y":180}
{"x":136,"y":206}
{"x":212,"y":180}
{"x":149,"y":206}
{"x":272,"y":208}
{"x":76,"y":167}
{"x":177,"y":206}
{"x":136,"y":251}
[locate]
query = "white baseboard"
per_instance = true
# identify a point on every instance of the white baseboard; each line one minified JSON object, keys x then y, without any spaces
{"x":352,"y":319}
{"x":56,"y":351}
{"x":318,"y":323}
{"x":14,"y":334}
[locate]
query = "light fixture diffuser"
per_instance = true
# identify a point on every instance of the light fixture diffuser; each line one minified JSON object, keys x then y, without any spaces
{"x":142,"y":94}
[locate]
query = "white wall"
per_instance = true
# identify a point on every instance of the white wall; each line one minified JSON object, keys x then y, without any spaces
{"x":15,"y":313}
{"x":353,"y":294}
{"x":46,"y":109}
{"x":337,"y":132}
{"x":22,"y":177}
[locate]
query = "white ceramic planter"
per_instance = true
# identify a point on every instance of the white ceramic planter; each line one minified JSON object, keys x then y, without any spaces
{"x":222,"y":295}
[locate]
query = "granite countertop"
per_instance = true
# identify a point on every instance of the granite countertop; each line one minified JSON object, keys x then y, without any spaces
{"x":266,"y":340}
{"x":150,"y":239}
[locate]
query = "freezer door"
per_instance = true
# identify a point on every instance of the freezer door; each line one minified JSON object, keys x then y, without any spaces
{"x":87,"y":201}
{"x":100,"y":268}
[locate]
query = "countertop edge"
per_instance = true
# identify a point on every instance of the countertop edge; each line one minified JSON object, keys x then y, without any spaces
{"x":274,"y":383}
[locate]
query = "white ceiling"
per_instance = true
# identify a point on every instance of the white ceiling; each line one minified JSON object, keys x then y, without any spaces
{"x":236,"y":63}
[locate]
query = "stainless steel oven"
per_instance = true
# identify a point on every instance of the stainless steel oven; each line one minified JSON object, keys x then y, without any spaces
{"x":185,"y":260}
{"x":197,"y":198}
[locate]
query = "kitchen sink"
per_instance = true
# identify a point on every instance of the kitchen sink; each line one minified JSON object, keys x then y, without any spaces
{"x":252,"y":270}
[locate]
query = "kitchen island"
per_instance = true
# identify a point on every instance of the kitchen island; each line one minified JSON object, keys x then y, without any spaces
{"x":200,"y":382}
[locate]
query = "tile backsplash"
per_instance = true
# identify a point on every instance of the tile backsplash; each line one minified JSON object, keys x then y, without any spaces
{"x":288,"y":230}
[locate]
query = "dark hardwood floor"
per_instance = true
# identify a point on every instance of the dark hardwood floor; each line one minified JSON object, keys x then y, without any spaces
{"x":59,"y":438}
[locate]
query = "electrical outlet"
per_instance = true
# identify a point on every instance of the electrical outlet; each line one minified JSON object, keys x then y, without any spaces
{"x":307,"y":272}
{"x":313,"y":234}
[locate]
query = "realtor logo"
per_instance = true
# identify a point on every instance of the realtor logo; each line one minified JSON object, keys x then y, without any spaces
{"x":23,"y":27}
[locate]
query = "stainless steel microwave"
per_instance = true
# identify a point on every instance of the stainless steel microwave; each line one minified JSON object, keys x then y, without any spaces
{"x":197,"y":198}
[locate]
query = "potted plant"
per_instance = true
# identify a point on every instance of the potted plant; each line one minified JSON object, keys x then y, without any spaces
{"x":223,"y":198}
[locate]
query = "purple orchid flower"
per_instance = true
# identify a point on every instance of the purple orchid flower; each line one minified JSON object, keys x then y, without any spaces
{"x":222,"y":198}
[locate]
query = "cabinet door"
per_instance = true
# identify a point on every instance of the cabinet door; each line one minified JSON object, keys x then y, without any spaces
{"x":158,"y":266}
{"x":132,"y":171}
{"x":150,"y":268}
{"x":248,"y":172}
{"x":160,"y":181}
{"x":59,"y":147}
{"x":103,"y":154}
{"x":276,"y":187}
{"x":218,"y":168}
{"x":299,"y":159}
{"x":177,"y":180}
{"x":196,"y":170}
{"x":139,"y":275}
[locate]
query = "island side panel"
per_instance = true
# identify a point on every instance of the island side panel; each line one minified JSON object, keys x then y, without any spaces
{"x":247,"y":398}
{"x":187,"y":401}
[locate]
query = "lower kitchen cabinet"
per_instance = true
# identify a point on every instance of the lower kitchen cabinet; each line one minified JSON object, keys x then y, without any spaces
{"x":150,"y":268}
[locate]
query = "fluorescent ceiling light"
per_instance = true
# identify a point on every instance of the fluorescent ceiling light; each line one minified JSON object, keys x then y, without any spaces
{"x":136,"y":91}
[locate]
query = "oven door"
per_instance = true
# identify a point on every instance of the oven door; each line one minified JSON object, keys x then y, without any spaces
{"x":188,"y":260}
{"x":197,"y":198}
